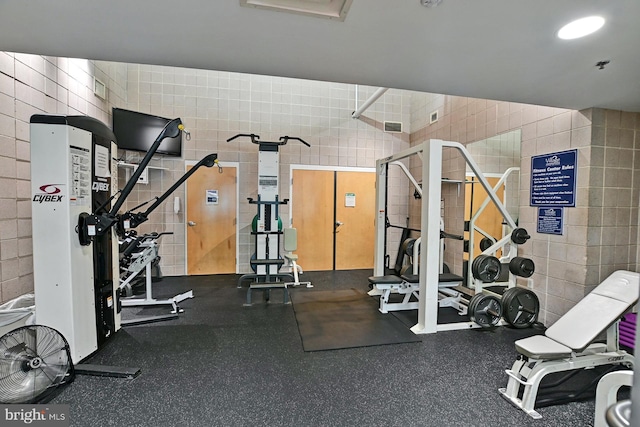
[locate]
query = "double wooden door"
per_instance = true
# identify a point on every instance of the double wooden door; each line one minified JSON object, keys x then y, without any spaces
{"x":334,"y":213}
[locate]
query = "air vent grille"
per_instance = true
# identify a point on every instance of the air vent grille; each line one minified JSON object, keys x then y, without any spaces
{"x":393,"y":127}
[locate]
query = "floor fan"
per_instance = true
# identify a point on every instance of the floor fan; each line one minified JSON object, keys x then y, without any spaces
{"x":34,"y":361}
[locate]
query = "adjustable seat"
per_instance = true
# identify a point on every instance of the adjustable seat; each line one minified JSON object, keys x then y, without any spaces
{"x":568,"y":344}
{"x":290,"y":244}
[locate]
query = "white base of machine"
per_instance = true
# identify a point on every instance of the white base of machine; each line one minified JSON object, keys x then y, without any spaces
{"x":149,"y":299}
{"x":173,"y":302}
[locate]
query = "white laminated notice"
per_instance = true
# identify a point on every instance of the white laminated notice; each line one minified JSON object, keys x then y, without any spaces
{"x":101,"y":161}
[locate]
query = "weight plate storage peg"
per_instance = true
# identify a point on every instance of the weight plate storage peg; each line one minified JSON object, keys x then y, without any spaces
{"x":486,"y":268}
{"x":523,"y":267}
{"x":485,"y":310}
{"x":520,"y":307}
{"x":519,"y":236}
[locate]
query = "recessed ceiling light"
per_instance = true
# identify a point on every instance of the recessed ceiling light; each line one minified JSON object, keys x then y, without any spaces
{"x":581,"y":27}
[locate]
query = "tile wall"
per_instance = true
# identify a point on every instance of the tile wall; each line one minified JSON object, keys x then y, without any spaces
{"x":31,"y":84}
{"x":214,"y":106}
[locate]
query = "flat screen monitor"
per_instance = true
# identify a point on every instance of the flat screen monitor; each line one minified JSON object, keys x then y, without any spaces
{"x":138,"y":131}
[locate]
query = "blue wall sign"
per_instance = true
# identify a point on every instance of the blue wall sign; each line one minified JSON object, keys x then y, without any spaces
{"x":553,"y":179}
{"x":550,"y":220}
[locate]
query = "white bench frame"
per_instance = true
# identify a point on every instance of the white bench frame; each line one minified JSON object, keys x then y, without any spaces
{"x":450,"y":297}
{"x":528,"y":370}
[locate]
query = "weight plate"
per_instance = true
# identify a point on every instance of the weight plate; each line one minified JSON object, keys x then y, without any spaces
{"x":472,"y":303}
{"x":254,"y":224}
{"x":485,"y":310}
{"x":520,"y":307}
{"x":407,"y":246}
{"x":486,"y":268}
{"x":523,"y":267}
{"x":507,"y":295}
{"x":485,"y":243}
{"x":519,"y":236}
{"x":254,"y":267}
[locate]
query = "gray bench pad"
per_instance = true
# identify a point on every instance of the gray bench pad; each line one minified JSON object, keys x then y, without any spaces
{"x":385,"y":280}
{"x":586,"y":320}
{"x":541,"y":347}
{"x":412,"y":278}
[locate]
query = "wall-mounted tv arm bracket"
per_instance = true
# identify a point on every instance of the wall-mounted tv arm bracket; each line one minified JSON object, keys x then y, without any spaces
{"x":97,"y":223}
{"x":132,"y":220}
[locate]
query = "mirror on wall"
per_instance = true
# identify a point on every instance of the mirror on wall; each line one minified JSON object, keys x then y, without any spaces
{"x":498,"y":158}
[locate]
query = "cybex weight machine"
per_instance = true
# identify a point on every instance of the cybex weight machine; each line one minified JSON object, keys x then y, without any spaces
{"x":75,"y":248}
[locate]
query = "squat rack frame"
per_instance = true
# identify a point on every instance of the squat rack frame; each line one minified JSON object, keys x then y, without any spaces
{"x":430,"y":152}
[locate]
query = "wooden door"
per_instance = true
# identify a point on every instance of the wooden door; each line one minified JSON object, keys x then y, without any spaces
{"x":319,"y":198}
{"x":312,"y":197}
{"x":211,"y":221}
{"x":355,"y":211}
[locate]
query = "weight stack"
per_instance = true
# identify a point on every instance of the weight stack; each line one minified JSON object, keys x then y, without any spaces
{"x":627,"y":330}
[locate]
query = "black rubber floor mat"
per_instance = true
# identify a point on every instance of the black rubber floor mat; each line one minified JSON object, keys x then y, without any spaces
{"x":331,"y":320}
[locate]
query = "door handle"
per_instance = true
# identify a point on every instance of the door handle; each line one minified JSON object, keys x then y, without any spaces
{"x":191,"y":223}
{"x":339,"y":223}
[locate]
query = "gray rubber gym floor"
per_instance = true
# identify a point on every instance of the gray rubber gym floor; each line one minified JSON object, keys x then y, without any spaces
{"x":222,"y":364}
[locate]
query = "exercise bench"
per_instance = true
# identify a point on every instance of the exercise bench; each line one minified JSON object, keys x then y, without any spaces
{"x":407,"y":285}
{"x":568,"y":344}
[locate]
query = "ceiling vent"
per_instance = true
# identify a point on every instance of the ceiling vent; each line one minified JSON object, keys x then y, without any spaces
{"x":393,"y":127}
{"x":330,"y":9}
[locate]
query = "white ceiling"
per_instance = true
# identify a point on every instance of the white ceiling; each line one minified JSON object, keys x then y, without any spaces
{"x":494,"y":49}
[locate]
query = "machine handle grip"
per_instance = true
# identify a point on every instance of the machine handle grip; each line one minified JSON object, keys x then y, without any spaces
{"x":286,"y":138}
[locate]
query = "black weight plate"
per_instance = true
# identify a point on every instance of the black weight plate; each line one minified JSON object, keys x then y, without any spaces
{"x":507,"y":296}
{"x":485,"y":243}
{"x":253,"y":266}
{"x":519,"y":236}
{"x":472,"y":303}
{"x":407,"y":246}
{"x":486,"y":268}
{"x":523,"y":267}
{"x":521,"y":308}
{"x":486,"y":311}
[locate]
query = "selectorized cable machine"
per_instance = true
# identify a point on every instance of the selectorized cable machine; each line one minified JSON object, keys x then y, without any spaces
{"x":75,"y":250}
{"x":267,"y":225}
